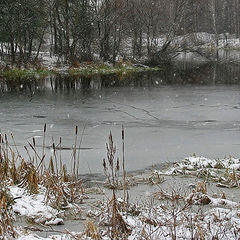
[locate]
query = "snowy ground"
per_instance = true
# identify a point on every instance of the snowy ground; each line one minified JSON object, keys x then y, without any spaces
{"x":225,"y":172}
{"x":34,"y":207}
{"x":197,"y":211}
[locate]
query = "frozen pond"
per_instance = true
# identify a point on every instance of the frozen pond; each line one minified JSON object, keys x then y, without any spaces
{"x":164,"y":121}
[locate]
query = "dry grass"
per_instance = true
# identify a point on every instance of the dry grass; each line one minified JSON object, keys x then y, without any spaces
{"x":91,"y":231}
{"x":6,"y":218}
{"x":7,"y":170}
{"x":110,"y":166}
{"x":117,"y":227}
{"x":162,"y":217}
{"x":61,"y":189}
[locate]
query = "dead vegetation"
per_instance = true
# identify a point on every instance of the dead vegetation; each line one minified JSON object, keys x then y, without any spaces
{"x":167,"y":215}
{"x":224,"y":172}
{"x":61,"y":190}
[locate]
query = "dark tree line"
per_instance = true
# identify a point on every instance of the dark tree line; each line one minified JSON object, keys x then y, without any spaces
{"x":78,"y":30}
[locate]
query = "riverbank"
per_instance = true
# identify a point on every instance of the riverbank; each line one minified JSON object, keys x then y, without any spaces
{"x":84,"y":69}
{"x":204,"y":50}
{"x":159,"y":205}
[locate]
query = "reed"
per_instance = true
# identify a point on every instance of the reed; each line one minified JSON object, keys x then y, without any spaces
{"x":75,"y":153}
{"x":6,"y":218}
{"x":111,"y":166}
{"x":79,"y":150}
{"x":118,"y":228}
{"x":43,"y":143}
{"x":91,"y":231}
{"x":60,"y":153}
{"x":61,"y":189}
{"x":123,"y":166}
{"x":7,"y":170}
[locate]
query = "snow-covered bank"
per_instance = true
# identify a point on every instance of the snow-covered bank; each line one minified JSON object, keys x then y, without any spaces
{"x":160,"y":220}
{"x":193,"y":213}
{"x":225,"y":172}
{"x":34,"y":207}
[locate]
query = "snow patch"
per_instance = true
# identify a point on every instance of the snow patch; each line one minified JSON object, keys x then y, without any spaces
{"x":34,"y":207}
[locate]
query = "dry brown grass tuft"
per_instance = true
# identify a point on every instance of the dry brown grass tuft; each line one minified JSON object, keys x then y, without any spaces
{"x":201,"y":187}
{"x":91,"y":231}
{"x":6,"y":226}
{"x":33,"y":174}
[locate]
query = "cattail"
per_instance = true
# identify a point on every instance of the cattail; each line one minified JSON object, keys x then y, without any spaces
{"x":110,"y":159}
{"x":104,"y":164}
{"x":118,"y":166}
{"x":31,"y":146}
{"x":53,"y":145}
{"x":33,"y":181}
{"x":45,"y":128}
{"x":123,"y":133}
{"x":51,"y":166}
{"x":65,"y":176}
{"x":41,"y":161}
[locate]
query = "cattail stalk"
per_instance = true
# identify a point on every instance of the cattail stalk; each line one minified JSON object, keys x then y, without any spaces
{"x":74,"y":152}
{"x":124,"y":171}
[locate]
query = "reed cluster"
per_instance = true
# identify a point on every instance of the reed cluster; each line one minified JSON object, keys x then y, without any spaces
{"x":36,"y":172}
